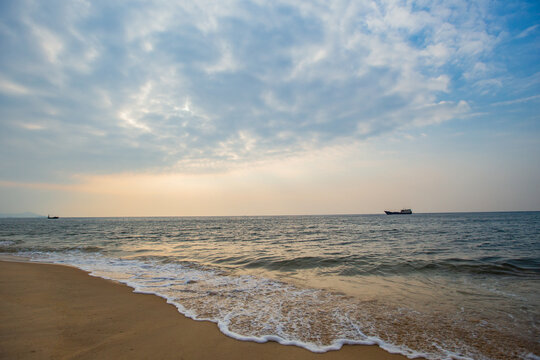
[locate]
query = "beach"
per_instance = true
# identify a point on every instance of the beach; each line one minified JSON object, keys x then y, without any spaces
{"x":435,"y":286}
{"x":60,"y":312}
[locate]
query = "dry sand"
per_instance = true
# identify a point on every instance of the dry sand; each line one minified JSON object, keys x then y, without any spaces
{"x":59,"y":312}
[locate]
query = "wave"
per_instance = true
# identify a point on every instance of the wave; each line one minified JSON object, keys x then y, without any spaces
{"x":259,"y":309}
{"x":244,"y":307}
{"x":504,"y":267}
{"x":304,"y":262}
{"x":7,"y":247}
{"x":368,"y":265}
{"x":339,"y":264}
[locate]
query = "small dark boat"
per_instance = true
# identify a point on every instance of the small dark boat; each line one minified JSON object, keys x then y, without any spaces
{"x":402,"y":212}
{"x":52,"y":217}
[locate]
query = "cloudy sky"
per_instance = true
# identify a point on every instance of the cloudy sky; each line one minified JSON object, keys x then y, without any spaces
{"x":125,"y":108}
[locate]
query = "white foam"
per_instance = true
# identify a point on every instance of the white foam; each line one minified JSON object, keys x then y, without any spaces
{"x":229,"y":298}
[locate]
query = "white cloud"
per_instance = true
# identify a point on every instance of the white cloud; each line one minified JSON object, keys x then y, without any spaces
{"x":12,"y":88}
{"x":28,"y":126}
{"x":439,"y":112}
{"x":129,"y":120}
{"x":527,"y":31}
{"x":226,"y":62}
{"x":517,"y":101}
{"x":51,"y":44}
{"x":488,"y":85}
{"x":213,"y":81}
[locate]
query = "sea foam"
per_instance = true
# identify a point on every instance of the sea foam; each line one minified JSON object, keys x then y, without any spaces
{"x":191,"y":290}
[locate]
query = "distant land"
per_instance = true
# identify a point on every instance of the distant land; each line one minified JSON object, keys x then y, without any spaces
{"x":21,"y":215}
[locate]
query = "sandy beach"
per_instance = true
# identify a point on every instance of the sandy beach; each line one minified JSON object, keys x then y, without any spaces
{"x":59,"y":312}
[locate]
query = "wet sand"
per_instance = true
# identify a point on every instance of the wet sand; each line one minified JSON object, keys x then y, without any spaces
{"x":59,"y":312}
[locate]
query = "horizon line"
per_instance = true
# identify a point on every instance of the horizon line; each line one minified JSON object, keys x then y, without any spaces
{"x":38,"y":216}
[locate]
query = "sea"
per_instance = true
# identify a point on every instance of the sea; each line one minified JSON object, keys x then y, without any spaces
{"x":438,"y":286}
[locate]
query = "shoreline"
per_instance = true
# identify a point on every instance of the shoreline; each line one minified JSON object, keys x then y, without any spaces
{"x":59,"y":311}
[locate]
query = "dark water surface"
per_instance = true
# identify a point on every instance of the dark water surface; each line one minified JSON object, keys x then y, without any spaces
{"x":463,"y":285}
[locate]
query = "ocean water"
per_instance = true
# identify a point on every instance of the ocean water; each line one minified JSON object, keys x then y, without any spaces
{"x":442,"y":286}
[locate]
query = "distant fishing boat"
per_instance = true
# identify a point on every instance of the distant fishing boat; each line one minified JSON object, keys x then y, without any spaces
{"x":52,"y":217}
{"x":402,"y":212}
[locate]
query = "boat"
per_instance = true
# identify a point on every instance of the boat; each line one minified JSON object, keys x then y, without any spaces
{"x":52,"y":217}
{"x":402,"y":212}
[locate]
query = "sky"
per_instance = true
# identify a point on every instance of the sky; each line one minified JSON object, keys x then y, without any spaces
{"x":188,"y":108}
